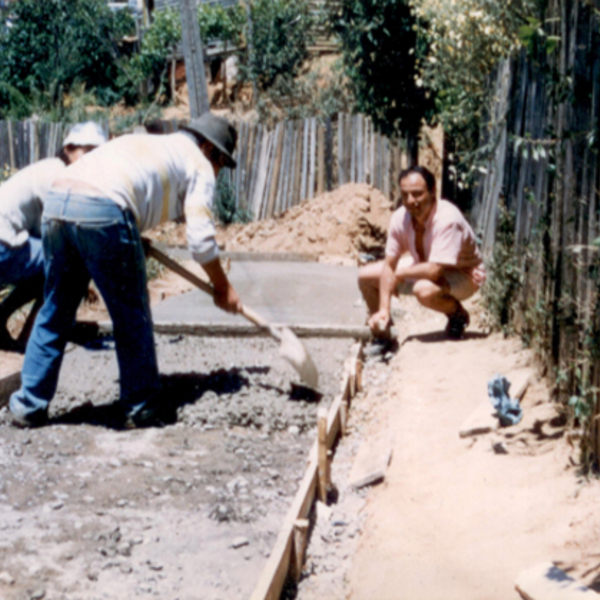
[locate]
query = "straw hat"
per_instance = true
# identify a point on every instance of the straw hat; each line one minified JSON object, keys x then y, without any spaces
{"x":218,"y":131}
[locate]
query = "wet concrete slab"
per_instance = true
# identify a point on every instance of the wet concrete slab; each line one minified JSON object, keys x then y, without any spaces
{"x":291,"y":293}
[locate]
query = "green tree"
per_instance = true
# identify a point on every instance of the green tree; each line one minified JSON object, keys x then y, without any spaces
{"x":280,"y":39}
{"x":279,"y":42}
{"x":380,"y":46}
{"x":466,"y":40}
{"x":164,"y":35}
{"x":219,"y":23}
{"x":159,"y":41}
{"x":55,"y":44}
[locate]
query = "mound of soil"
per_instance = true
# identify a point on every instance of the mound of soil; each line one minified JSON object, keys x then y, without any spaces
{"x":344,"y":223}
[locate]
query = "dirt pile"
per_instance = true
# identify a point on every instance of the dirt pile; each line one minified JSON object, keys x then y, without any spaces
{"x":346,"y":222}
{"x":341,"y":224}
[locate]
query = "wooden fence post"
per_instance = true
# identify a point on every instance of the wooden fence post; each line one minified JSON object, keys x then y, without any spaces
{"x":329,"y":154}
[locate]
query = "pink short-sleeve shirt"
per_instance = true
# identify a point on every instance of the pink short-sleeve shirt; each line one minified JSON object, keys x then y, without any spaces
{"x":449,"y":240}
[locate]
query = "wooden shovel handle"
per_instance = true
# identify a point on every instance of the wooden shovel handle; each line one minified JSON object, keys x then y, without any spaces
{"x":166,"y":260}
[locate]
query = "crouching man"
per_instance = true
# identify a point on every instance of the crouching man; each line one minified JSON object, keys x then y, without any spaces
{"x":444,"y":267}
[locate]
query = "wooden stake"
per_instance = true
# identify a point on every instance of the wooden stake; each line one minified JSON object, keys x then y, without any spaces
{"x":343,"y":416}
{"x":359,"y":371}
{"x":300,"y":536}
{"x":323,"y":459}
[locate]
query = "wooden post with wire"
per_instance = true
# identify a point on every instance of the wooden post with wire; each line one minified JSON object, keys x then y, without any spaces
{"x":194,"y":59}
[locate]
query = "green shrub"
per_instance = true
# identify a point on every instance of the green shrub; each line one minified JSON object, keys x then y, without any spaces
{"x":504,"y":274}
{"x":56,"y":45}
{"x":280,"y":39}
{"x":226,"y":207}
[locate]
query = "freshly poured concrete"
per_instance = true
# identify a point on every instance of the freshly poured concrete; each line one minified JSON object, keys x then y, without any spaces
{"x":292,"y":293}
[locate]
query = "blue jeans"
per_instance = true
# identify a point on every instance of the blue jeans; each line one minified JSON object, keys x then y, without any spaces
{"x":87,"y":237}
{"x":22,"y":263}
{"x":22,"y":266}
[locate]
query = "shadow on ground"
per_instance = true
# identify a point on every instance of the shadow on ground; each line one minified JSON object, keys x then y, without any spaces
{"x":441,"y":336}
{"x":178,"y":390}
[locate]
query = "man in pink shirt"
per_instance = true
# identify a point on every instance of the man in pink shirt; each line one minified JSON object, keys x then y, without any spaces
{"x":431,"y":251}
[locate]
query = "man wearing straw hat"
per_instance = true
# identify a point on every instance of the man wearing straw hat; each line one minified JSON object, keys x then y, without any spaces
{"x":93,"y":217}
{"x":21,"y":255}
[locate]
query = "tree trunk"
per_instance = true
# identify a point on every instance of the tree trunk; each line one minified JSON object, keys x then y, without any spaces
{"x":412,"y":148}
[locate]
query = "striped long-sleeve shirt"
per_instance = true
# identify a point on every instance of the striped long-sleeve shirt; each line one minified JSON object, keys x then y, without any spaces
{"x":159,"y":178}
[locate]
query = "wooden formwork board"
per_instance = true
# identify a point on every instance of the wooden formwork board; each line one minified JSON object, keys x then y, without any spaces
{"x":242,"y":329}
{"x":284,"y":561}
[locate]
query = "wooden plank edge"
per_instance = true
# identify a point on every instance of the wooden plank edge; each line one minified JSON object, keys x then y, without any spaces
{"x":243,"y":329}
{"x":520,"y":391}
{"x":275,"y":572}
{"x":351,"y":380}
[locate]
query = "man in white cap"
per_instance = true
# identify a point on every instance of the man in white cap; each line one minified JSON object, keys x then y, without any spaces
{"x":93,"y":217}
{"x":21,"y":255}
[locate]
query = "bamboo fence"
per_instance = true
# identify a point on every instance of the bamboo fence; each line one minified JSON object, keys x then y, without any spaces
{"x":543,"y":162}
{"x":278,"y":167}
{"x":25,"y":142}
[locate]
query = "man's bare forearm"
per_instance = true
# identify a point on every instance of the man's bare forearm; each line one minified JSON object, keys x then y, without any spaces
{"x":225,"y":296}
{"x":387,"y":284}
{"x":215,"y":272}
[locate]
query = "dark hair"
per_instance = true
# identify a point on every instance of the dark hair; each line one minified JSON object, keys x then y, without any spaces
{"x":215,"y":154}
{"x":63,"y":156}
{"x":424,"y":172}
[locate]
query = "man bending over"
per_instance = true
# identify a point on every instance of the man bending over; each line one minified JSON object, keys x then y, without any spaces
{"x":442,"y":265}
{"x":93,"y":217}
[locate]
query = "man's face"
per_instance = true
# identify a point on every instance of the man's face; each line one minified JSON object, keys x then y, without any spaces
{"x":74,"y":153}
{"x":416,"y":198}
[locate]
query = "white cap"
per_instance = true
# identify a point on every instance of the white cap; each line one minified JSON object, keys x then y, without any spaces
{"x":85,"y":134}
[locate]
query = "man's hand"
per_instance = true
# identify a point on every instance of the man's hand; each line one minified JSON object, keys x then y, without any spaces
{"x":225,"y":296}
{"x":379,"y":322}
{"x":227,"y":299}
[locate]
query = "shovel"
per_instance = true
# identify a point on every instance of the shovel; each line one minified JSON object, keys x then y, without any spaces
{"x":290,"y":348}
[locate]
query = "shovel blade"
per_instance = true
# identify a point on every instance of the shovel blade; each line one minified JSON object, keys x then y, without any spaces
{"x":293,"y":350}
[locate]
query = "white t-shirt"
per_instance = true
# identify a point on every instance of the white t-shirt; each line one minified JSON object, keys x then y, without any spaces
{"x":158,"y":178}
{"x":21,"y":198}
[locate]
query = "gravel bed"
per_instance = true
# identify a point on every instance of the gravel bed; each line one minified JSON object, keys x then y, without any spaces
{"x":185,"y":510}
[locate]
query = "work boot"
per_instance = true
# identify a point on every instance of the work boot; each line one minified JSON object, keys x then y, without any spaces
{"x":39,"y":418}
{"x":144,"y":414}
{"x":83,"y":332}
{"x":457,"y":323}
